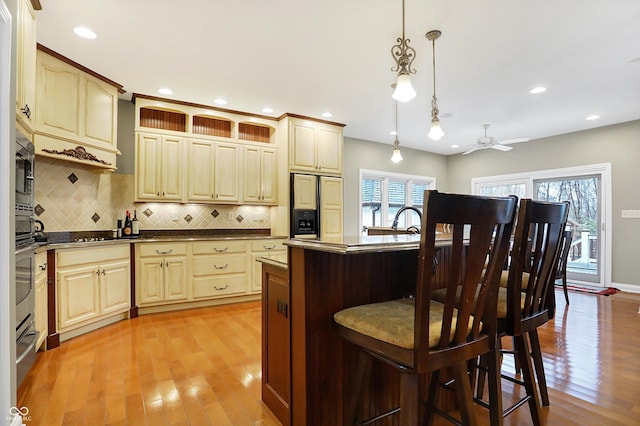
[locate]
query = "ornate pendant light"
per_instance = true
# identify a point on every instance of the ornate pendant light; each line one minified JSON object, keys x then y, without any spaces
{"x":397,"y":156}
{"x":404,"y":55}
{"x":436,"y":131}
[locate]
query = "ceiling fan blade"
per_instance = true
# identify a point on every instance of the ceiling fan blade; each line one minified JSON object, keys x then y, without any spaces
{"x":471,"y":150}
{"x":501,"y":147}
{"x":516,"y":140}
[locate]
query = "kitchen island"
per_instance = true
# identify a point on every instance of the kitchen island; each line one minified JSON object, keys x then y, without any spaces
{"x":325,"y":278}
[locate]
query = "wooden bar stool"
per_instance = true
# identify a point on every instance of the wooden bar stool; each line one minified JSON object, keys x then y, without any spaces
{"x":420,"y":337}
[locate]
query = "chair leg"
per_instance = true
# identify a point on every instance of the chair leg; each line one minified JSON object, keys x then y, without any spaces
{"x":528,"y":378}
{"x":464,"y":394}
{"x":361,"y":381}
{"x":495,"y":384}
{"x":409,"y":399}
{"x":564,"y":287}
{"x":536,"y":355}
{"x":432,"y":397}
{"x":516,"y":360}
{"x":483,"y":365}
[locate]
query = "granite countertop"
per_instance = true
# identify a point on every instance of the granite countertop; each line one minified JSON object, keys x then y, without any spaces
{"x":366,"y":243}
{"x":176,"y":237}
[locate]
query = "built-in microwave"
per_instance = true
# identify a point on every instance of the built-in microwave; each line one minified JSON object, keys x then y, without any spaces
{"x":24,"y":177}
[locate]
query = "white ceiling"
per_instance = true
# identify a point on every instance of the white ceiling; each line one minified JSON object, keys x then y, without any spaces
{"x":307,"y":57}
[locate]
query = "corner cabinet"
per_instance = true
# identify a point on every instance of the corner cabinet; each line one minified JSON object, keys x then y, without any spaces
{"x":75,"y":107}
{"x":158,"y":169}
{"x":260,"y":175}
{"x":92,"y":284}
{"x":315,"y":147}
{"x":26,"y":68}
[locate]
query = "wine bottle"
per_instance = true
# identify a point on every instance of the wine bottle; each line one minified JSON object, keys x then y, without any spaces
{"x":135,"y":225}
{"x":127,"y":225}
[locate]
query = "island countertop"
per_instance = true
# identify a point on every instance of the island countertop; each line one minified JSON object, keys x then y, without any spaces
{"x":366,"y":243}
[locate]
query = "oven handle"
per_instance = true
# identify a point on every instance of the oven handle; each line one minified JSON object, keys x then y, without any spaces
{"x":30,"y":347}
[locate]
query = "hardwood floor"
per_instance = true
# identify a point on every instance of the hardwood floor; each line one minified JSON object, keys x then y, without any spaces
{"x":202,"y":367}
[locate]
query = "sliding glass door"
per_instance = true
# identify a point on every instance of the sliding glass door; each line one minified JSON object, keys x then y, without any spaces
{"x":588,"y":190}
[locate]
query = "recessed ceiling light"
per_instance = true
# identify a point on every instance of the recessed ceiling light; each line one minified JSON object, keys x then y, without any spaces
{"x":220,"y":101}
{"x":455,"y":146}
{"x":165,"y":91}
{"x":267,"y":110}
{"x":592,"y":117}
{"x":537,"y":90}
{"x":84,"y":32}
{"x":327,"y":115}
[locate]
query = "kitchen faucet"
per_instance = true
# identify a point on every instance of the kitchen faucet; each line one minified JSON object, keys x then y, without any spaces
{"x":394,"y":226}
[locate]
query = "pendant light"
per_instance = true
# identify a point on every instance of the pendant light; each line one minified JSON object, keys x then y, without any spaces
{"x":436,"y":131}
{"x":397,"y":156}
{"x":404,"y":55}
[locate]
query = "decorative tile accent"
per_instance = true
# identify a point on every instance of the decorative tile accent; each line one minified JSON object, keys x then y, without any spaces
{"x":215,"y":213}
{"x":239,"y":218}
{"x":72,"y":177}
{"x":147,"y":212}
{"x":38,"y":210}
{"x":95,"y":217}
{"x":188,"y":218}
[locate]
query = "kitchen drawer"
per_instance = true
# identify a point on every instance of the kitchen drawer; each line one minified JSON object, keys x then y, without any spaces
{"x":219,"y":264}
{"x":94,"y":255}
{"x":212,"y":247}
{"x":162,"y":249}
{"x":268,"y":245}
{"x":219,"y":286}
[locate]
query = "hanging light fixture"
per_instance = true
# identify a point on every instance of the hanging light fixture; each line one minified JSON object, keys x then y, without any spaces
{"x":404,"y":55}
{"x":397,"y":156}
{"x":436,"y":131}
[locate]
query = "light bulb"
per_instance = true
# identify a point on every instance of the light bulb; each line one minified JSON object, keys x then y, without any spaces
{"x":436,"y":131}
{"x":404,"y":90}
{"x":397,"y":156}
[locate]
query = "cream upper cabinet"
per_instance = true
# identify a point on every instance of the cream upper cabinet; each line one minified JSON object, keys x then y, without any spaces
{"x":92,"y":284}
{"x":75,"y":108}
{"x":226,"y":173}
{"x":26,"y":68}
{"x":200,"y":161}
{"x":315,"y":147}
{"x":331,"y":196}
{"x":159,"y":166}
{"x":260,"y":175}
{"x":305,"y":192}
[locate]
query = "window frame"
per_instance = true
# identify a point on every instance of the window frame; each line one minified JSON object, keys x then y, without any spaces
{"x":385,"y":177}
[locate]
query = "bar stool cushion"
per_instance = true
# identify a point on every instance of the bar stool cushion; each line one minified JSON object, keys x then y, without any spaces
{"x":393,"y":321}
{"x":440,"y":296}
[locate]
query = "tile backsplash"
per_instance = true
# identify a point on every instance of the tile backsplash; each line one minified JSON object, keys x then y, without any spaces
{"x":72,"y":197}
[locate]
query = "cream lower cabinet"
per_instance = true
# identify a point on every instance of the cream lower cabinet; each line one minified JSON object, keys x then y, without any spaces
{"x":41,"y":297}
{"x":92,"y":284}
{"x":161,"y":273}
{"x":271,"y":249}
{"x":219,"y":269}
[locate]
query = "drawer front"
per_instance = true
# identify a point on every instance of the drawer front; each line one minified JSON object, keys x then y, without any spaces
{"x":162,"y":249}
{"x":268,"y":245}
{"x":219,"y":264}
{"x":219,"y":247}
{"x":93,"y":255}
{"x":210,"y":287}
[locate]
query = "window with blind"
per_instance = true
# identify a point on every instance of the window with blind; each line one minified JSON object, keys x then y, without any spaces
{"x":382,"y":194}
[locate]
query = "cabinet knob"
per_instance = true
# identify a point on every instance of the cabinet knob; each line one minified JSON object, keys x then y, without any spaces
{"x":43,"y":267}
{"x":103,"y":272}
{"x":158,"y":193}
{"x":98,"y":272}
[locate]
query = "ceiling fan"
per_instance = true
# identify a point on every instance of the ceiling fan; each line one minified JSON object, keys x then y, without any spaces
{"x":485,"y":142}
